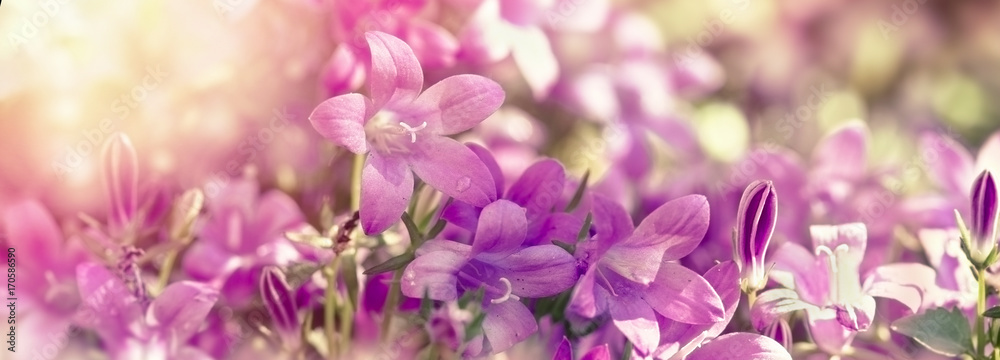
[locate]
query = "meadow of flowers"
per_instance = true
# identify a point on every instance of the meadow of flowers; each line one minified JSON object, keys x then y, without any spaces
{"x":503,"y":179}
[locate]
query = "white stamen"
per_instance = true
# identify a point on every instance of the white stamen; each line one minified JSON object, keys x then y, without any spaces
{"x":507,"y":295}
{"x":413,"y":130}
{"x":823,"y":249}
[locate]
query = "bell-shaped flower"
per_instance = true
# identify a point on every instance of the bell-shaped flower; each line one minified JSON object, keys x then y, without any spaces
{"x":755,"y":222}
{"x":827,"y":284}
{"x":279,"y":299}
{"x":403,"y":129}
{"x":131,"y":329}
{"x":678,"y":339}
{"x":632,"y":273}
{"x":497,"y":262}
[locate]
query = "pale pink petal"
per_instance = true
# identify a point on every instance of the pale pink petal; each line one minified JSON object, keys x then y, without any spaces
{"x":396,"y":76}
{"x":342,"y":120}
{"x":682,"y":295}
{"x":508,"y":323}
{"x":741,"y":346}
{"x":463,"y":101}
{"x":634,"y":318}
{"x":453,"y":169}
{"x":905,"y":282}
{"x":386,"y":187}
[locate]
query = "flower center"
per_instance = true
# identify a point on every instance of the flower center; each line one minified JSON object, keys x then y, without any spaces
{"x":474,"y":280}
{"x":843,"y":278}
{"x":388,"y":134}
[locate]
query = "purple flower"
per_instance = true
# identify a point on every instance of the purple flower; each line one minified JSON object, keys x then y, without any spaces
{"x":678,"y":339}
{"x":243,"y":233}
{"x":827,"y":285}
{"x":755,"y":222}
{"x":985,"y":214}
{"x":632,"y":274}
{"x":955,"y":285}
{"x":402,"y":129}
{"x":497,"y":262}
{"x":133,"y":330}
{"x":741,"y":346}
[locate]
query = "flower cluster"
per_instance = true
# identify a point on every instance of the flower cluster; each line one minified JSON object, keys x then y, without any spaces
{"x":473,"y":182}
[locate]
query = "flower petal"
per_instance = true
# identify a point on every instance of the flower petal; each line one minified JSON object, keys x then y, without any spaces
{"x":386,"y":187}
{"x":843,"y":154}
{"x":588,"y":300}
{"x":565,"y":350}
{"x":434,"y":272}
{"x":396,"y":76}
{"x":904,"y":282}
{"x":501,"y":229}
{"x":463,"y":101}
{"x":741,"y":346}
{"x":951,"y":164}
{"x":120,"y":170}
{"x":454,"y":170}
{"x":539,"y":271}
{"x":539,"y":187}
{"x":599,"y":352}
{"x":773,"y":303}
{"x":491,"y":163}
{"x":796,"y":268}
{"x":681,"y":294}
{"x":611,"y":223}
{"x":634,"y":318}
{"x":669,"y":233}
{"x":828,"y":334}
{"x":508,"y":323}
{"x":181,"y":309}
{"x":108,"y":306}
{"x":342,"y":120}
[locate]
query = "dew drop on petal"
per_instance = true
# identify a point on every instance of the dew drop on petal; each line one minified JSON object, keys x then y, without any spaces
{"x":463,"y":184}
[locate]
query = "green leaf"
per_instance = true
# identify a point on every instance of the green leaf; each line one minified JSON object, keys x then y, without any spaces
{"x":570,"y":248}
{"x":627,"y":354}
{"x":426,"y":305}
{"x":475,"y":327}
{"x":411,"y":229}
{"x":350,"y":270}
{"x":438,"y":227}
{"x":579,"y":192}
{"x":993,"y":312}
{"x":944,"y":332}
{"x":395,"y":263}
{"x":585,"y":230}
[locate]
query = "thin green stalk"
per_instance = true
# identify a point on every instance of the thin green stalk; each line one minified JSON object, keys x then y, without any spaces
{"x":980,"y":308}
{"x":751,"y":298}
{"x":330,"y":306}
{"x":359,"y":164}
{"x":168,"y":267}
{"x":391,"y":301}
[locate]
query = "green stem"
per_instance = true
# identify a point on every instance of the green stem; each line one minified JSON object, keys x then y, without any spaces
{"x":359,"y":164}
{"x":330,"y":306}
{"x":168,"y":266}
{"x":751,"y":298}
{"x":980,"y":308}
{"x":391,"y":301}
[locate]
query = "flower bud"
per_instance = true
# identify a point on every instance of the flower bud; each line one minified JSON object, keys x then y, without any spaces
{"x":280,"y":304}
{"x":755,"y":223}
{"x":781,"y":332}
{"x":119,"y":171}
{"x":983,"y":232}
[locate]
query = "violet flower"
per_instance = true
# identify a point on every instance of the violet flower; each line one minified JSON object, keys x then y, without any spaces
{"x":402,"y":129}
{"x":131,"y":329}
{"x":755,"y":222}
{"x":632,"y":274}
{"x":243,"y":233}
{"x":678,"y":339}
{"x":827,"y":285}
{"x":985,"y":214}
{"x":497,"y":262}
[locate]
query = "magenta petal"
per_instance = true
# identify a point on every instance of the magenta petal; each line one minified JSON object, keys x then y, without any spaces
{"x":181,"y":309}
{"x":454,"y":170}
{"x":539,"y":271}
{"x":565,"y":350}
{"x":276,"y":213}
{"x":681,"y":294}
{"x":857,"y":317}
{"x":904,"y":282}
{"x":611,"y":223}
{"x":432,"y":44}
{"x":111,"y":309}
{"x":501,"y":228}
{"x":491,"y":163}
{"x":828,"y":334}
{"x":853,"y":235}
{"x":433,"y":272}
{"x":463,"y":101}
{"x":675,"y":228}
{"x":951,"y":165}
{"x":342,"y":119}
{"x":741,"y":346}
{"x":773,"y":303}
{"x":31,"y":230}
{"x":386,"y":187}
{"x":599,"y":352}
{"x":843,"y":154}
{"x":539,"y":187}
{"x":796,"y":268}
{"x":396,"y":76}
{"x":634,"y":318}
{"x":724,"y":278}
{"x":586,"y":300}
{"x":508,"y":323}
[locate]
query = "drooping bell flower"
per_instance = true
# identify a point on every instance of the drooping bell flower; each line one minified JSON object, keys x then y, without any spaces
{"x":280,"y":303}
{"x":826,"y":284}
{"x":404,"y":131}
{"x":985,"y":214}
{"x":755,"y":222}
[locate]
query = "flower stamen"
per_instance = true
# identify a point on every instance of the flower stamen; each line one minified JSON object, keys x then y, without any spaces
{"x":508,"y":294}
{"x":412,"y":130}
